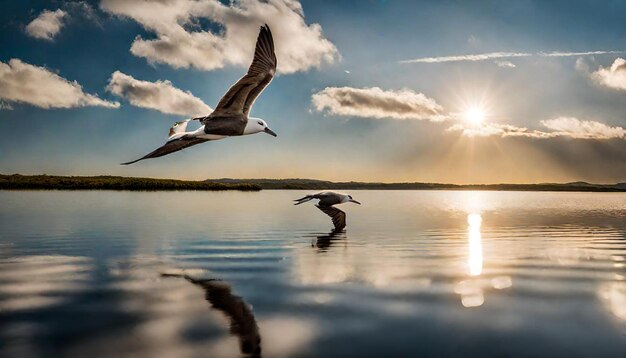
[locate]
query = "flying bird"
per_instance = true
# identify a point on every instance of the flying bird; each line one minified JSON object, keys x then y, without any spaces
{"x":326,"y":201}
{"x":230,"y":117}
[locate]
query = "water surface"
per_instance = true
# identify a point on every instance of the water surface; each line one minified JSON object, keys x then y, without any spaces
{"x":418,"y":273}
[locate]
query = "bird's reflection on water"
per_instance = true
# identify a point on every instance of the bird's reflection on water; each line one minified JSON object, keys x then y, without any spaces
{"x":324,"y":242}
{"x":242,"y":322}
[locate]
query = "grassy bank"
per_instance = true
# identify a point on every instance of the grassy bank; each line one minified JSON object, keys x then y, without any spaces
{"x":51,"y":182}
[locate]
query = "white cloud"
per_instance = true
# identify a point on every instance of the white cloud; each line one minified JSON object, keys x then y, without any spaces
{"x":181,"y":43}
{"x":504,"y":64}
{"x":502,"y":55}
{"x":560,"y":127}
{"x":576,"y":128}
{"x":612,"y":77}
{"x":496,"y":129}
{"x":476,"y":57}
{"x":24,"y":83}
{"x":46,"y":25}
{"x":571,"y":54}
{"x":161,"y":95}
{"x":377,"y":103}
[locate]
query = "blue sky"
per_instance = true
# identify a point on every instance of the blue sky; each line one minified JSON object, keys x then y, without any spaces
{"x":535,"y":105}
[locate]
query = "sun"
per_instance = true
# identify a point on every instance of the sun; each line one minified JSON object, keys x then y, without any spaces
{"x":474,"y":115}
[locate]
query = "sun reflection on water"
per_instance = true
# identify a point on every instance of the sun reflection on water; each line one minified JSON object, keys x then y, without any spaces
{"x":472,"y":290}
{"x":475,"y":258}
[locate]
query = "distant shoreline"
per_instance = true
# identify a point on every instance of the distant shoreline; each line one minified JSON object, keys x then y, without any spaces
{"x":55,"y":182}
{"x":312,"y":184}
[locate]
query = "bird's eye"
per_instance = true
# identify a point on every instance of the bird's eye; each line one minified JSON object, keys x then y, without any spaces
{"x":260,"y":123}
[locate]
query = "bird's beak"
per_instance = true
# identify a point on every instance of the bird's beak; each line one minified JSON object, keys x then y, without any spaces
{"x":354,"y":201}
{"x":269,"y":131}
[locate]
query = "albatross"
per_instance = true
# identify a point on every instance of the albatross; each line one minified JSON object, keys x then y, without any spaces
{"x":230,"y":117}
{"x":326,"y":201}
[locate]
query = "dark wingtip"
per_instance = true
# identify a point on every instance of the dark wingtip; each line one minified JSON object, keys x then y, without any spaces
{"x":131,"y":162}
{"x":266,"y":28}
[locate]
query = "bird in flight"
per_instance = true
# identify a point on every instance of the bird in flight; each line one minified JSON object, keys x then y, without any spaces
{"x":326,"y":201}
{"x":230,"y":117}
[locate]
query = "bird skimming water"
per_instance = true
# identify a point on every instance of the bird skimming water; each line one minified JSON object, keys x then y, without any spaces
{"x":230,"y":117}
{"x":326,"y":201}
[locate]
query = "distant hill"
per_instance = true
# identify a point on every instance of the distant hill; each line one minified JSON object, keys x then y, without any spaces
{"x":312,"y":184}
{"x":52,"y":182}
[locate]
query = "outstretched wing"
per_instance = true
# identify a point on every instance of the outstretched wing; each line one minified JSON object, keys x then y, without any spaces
{"x":170,"y":147}
{"x":241,"y":96}
{"x":338,"y":216}
{"x":326,"y":198}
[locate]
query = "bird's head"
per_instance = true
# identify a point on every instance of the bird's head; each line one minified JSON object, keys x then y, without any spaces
{"x":350,"y":200}
{"x":179,"y":127}
{"x":257,"y":125}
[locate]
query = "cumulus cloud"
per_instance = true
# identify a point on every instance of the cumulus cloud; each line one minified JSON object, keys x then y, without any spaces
{"x":612,"y":77}
{"x":503,"y":55}
{"x":377,"y":103}
{"x":576,"y":128}
{"x":160,"y":95}
{"x":181,"y":42}
{"x":24,"y":83}
{"x":560,"y":127}
{"x":46,"y":25}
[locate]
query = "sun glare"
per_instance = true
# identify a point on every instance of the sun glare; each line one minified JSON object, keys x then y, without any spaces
{"x":475,"y":115}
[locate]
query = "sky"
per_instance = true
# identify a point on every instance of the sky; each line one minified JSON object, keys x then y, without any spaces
{"x":428,"y":91}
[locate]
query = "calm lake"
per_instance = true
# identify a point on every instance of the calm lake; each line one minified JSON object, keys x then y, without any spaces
{"x":417,"y":273}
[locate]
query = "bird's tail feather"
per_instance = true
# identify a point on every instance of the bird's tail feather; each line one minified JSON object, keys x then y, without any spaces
{"x":303,"y":200}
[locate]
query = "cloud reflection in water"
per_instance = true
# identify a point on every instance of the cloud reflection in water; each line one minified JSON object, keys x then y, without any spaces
{"x":36,"y":282}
